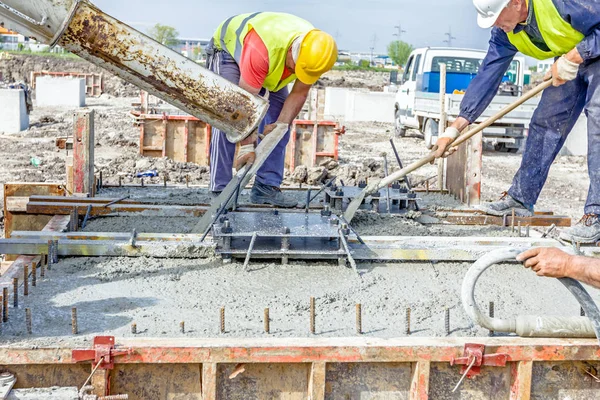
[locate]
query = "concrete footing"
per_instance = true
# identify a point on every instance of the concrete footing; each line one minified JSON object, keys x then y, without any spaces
{"x":13,"y":111}
{"x":60,"y":92}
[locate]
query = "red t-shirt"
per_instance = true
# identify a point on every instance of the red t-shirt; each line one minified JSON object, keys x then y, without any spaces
{"x":254,"y":64}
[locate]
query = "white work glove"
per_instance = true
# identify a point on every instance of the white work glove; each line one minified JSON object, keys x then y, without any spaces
{"x":443,"y":145}
{"x":562,"y":71}
{"x":245,"y":156}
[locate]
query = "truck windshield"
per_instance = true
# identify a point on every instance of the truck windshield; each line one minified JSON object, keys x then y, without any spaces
{"x":456,"y":64}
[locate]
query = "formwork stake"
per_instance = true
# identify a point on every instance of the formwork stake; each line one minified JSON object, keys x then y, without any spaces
{"x":134,"y":328}
{"x":33,"y":274}
{"x":25,"y":280}
{"x":447,"y":321}
{"x":222,"y":318}
{"x":312,"y":316}
{"x":408,"y":321}
{"x":4,"y":304}
{"x":182,"y":326}
{"x":267,"y":321}
{"x":74,"y":327}
{"x":15,"y":292}
{"x":28,"y":320}
{"x":491,"y":312}
{"x":359,"y":319}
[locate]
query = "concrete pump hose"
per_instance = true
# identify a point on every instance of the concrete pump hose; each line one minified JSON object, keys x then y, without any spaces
{"x":525,"y":325}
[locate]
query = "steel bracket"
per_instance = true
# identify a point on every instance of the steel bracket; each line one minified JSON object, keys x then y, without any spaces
{"x":475,"y":352}
{"x":103,"y":352}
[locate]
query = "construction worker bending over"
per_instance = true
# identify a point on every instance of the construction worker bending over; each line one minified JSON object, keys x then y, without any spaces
{"x":264,"y":52}
{"x":569,"y":30}
{"x":555,"y":263}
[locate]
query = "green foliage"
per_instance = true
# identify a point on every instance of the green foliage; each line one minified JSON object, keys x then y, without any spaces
{"x":399,"y":51}
{"x":533,"y":68}
{"x":354,"y":67}
{"x":364,"y":64}
{"x":166,"y":35}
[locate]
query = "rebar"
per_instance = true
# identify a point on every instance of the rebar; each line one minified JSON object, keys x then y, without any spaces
{"x":43,"y":266}
{"x":74,"y":327}
{"x":15,"y":292}
{"x":114,"y":397}
{"x":165,"y":180}
{"x":267,"y":321}
{"x":142,"y":180}
{"x":187,"y":181}
{"x":25,"y":280}
{"x":33,"y":274}
{"x":222,"y":319}
{"x":512,"y":221}
{"x":520,"y":231}
{"x":407,"y":321}
{"x":359,"y":318}
{"x":28,"y":320}
{"x":4,"y":304}
{"x":134,"y":328}
{"x":312,"y":316}
{"x":581,"y":312}
{"x":491,"y":313}
{"x":182,"y":326}
{"x":120,"y":181}
{"x":447,"y":321}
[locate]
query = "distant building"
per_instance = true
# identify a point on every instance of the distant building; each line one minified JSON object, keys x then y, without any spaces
{"x":543,"y":66}
{"x":11,"y":40}
{"x":192,"y":48}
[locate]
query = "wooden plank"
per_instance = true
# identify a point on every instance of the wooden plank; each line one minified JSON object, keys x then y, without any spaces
{"x":521,"y":376}
{"x":316,"y":382}
{"x":209,"y":381}
{"x":463,"y":173}
{"x":65,"y":209}
{"x":419,"y":385}
{"x":538,"y":220}
{"x":101,"y":382}
{"x":17,"y":203}
{"x":83,"y":152}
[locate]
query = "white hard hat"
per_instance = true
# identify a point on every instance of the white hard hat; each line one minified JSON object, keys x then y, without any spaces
{"x":488,"y":11}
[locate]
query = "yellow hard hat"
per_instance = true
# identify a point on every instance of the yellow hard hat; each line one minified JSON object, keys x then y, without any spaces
{"x":318,"y":53}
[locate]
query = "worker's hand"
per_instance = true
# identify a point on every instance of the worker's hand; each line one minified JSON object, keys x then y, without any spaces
{"x":443,"y":147}
{"x":245,"y":156}
{"x":563,"y":70}
{"x":269,"y":128}
{"x":340,"y":130}
{"x":546,"y":261}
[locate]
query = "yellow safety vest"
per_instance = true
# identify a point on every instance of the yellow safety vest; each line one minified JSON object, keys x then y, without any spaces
{"x":277,"y":31}
{"x":558,"y":34}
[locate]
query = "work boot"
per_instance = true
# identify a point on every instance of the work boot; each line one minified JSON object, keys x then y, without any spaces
{"x":505,"y":206}
{"x":265,"y":194}
{"x":587,"y":230}
{"x":215,"y":194}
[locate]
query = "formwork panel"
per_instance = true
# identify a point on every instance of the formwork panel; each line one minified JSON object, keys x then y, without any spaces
{"x":158,"y":381}
{"x":264,"y":381}
{"x":493,"y":383}
{"x":565,"y":380}
{"x":198,"y":143}
{"x":40,"y":376}
{"x":368,"y":381}
{"x":175,"y":140}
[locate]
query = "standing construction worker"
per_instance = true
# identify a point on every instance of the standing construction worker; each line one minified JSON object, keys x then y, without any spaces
{"x":263,"y":52}
{"x":569,"y":30}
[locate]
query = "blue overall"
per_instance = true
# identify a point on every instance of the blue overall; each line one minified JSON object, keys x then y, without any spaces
{"x":222,"y":151}
{"x":559,"y":107}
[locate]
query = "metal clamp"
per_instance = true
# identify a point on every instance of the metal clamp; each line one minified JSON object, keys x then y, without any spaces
{"x":473,"y":354}
{"x":103,"y":352}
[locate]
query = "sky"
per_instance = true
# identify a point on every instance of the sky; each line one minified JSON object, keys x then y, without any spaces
{"x":356,"y":25}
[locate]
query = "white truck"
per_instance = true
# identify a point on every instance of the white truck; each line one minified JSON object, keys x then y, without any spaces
{"x":418,"y":100}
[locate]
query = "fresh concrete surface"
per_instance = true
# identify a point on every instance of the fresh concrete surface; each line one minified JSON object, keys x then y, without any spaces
{"x":60,"y":92}
{"x":13,"y":111}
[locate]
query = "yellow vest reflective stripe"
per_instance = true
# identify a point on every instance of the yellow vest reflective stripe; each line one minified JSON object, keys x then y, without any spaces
{"x":277,"y":31}
{"x":559,"y":35}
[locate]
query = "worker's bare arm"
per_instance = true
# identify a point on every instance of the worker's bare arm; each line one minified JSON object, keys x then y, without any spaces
{"x":244,"y":85}
{"x":294,"y":103}
{"x":555,"y":263}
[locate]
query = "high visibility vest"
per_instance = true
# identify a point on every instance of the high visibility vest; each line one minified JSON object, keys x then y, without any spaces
{"x":558,"y":34}
{"x":277,"y":31}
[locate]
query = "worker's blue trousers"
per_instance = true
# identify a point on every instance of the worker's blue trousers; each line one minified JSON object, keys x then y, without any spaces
{"x":222,"y":151}
{"x":559,"y":109}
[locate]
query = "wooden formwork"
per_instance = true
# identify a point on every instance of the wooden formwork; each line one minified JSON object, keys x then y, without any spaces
{"x":463,"y":171}
{"x":187,"y":139}
{"x":178,"y":137}
{"x":93,"y":82}
{"x":318,"y":369}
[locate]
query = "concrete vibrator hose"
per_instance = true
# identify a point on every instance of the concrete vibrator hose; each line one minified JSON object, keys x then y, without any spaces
{"x":529,"y":325}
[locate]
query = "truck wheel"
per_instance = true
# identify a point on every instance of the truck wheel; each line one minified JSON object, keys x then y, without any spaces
{"x":430,"y":133}
{"x":400,"y":129}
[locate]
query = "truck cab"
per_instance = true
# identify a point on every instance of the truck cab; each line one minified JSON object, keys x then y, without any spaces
{"x":420,"y":85}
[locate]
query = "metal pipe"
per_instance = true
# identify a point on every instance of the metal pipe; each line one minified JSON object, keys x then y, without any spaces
{"x":526,"y":325}
{"x":82,"y":28}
